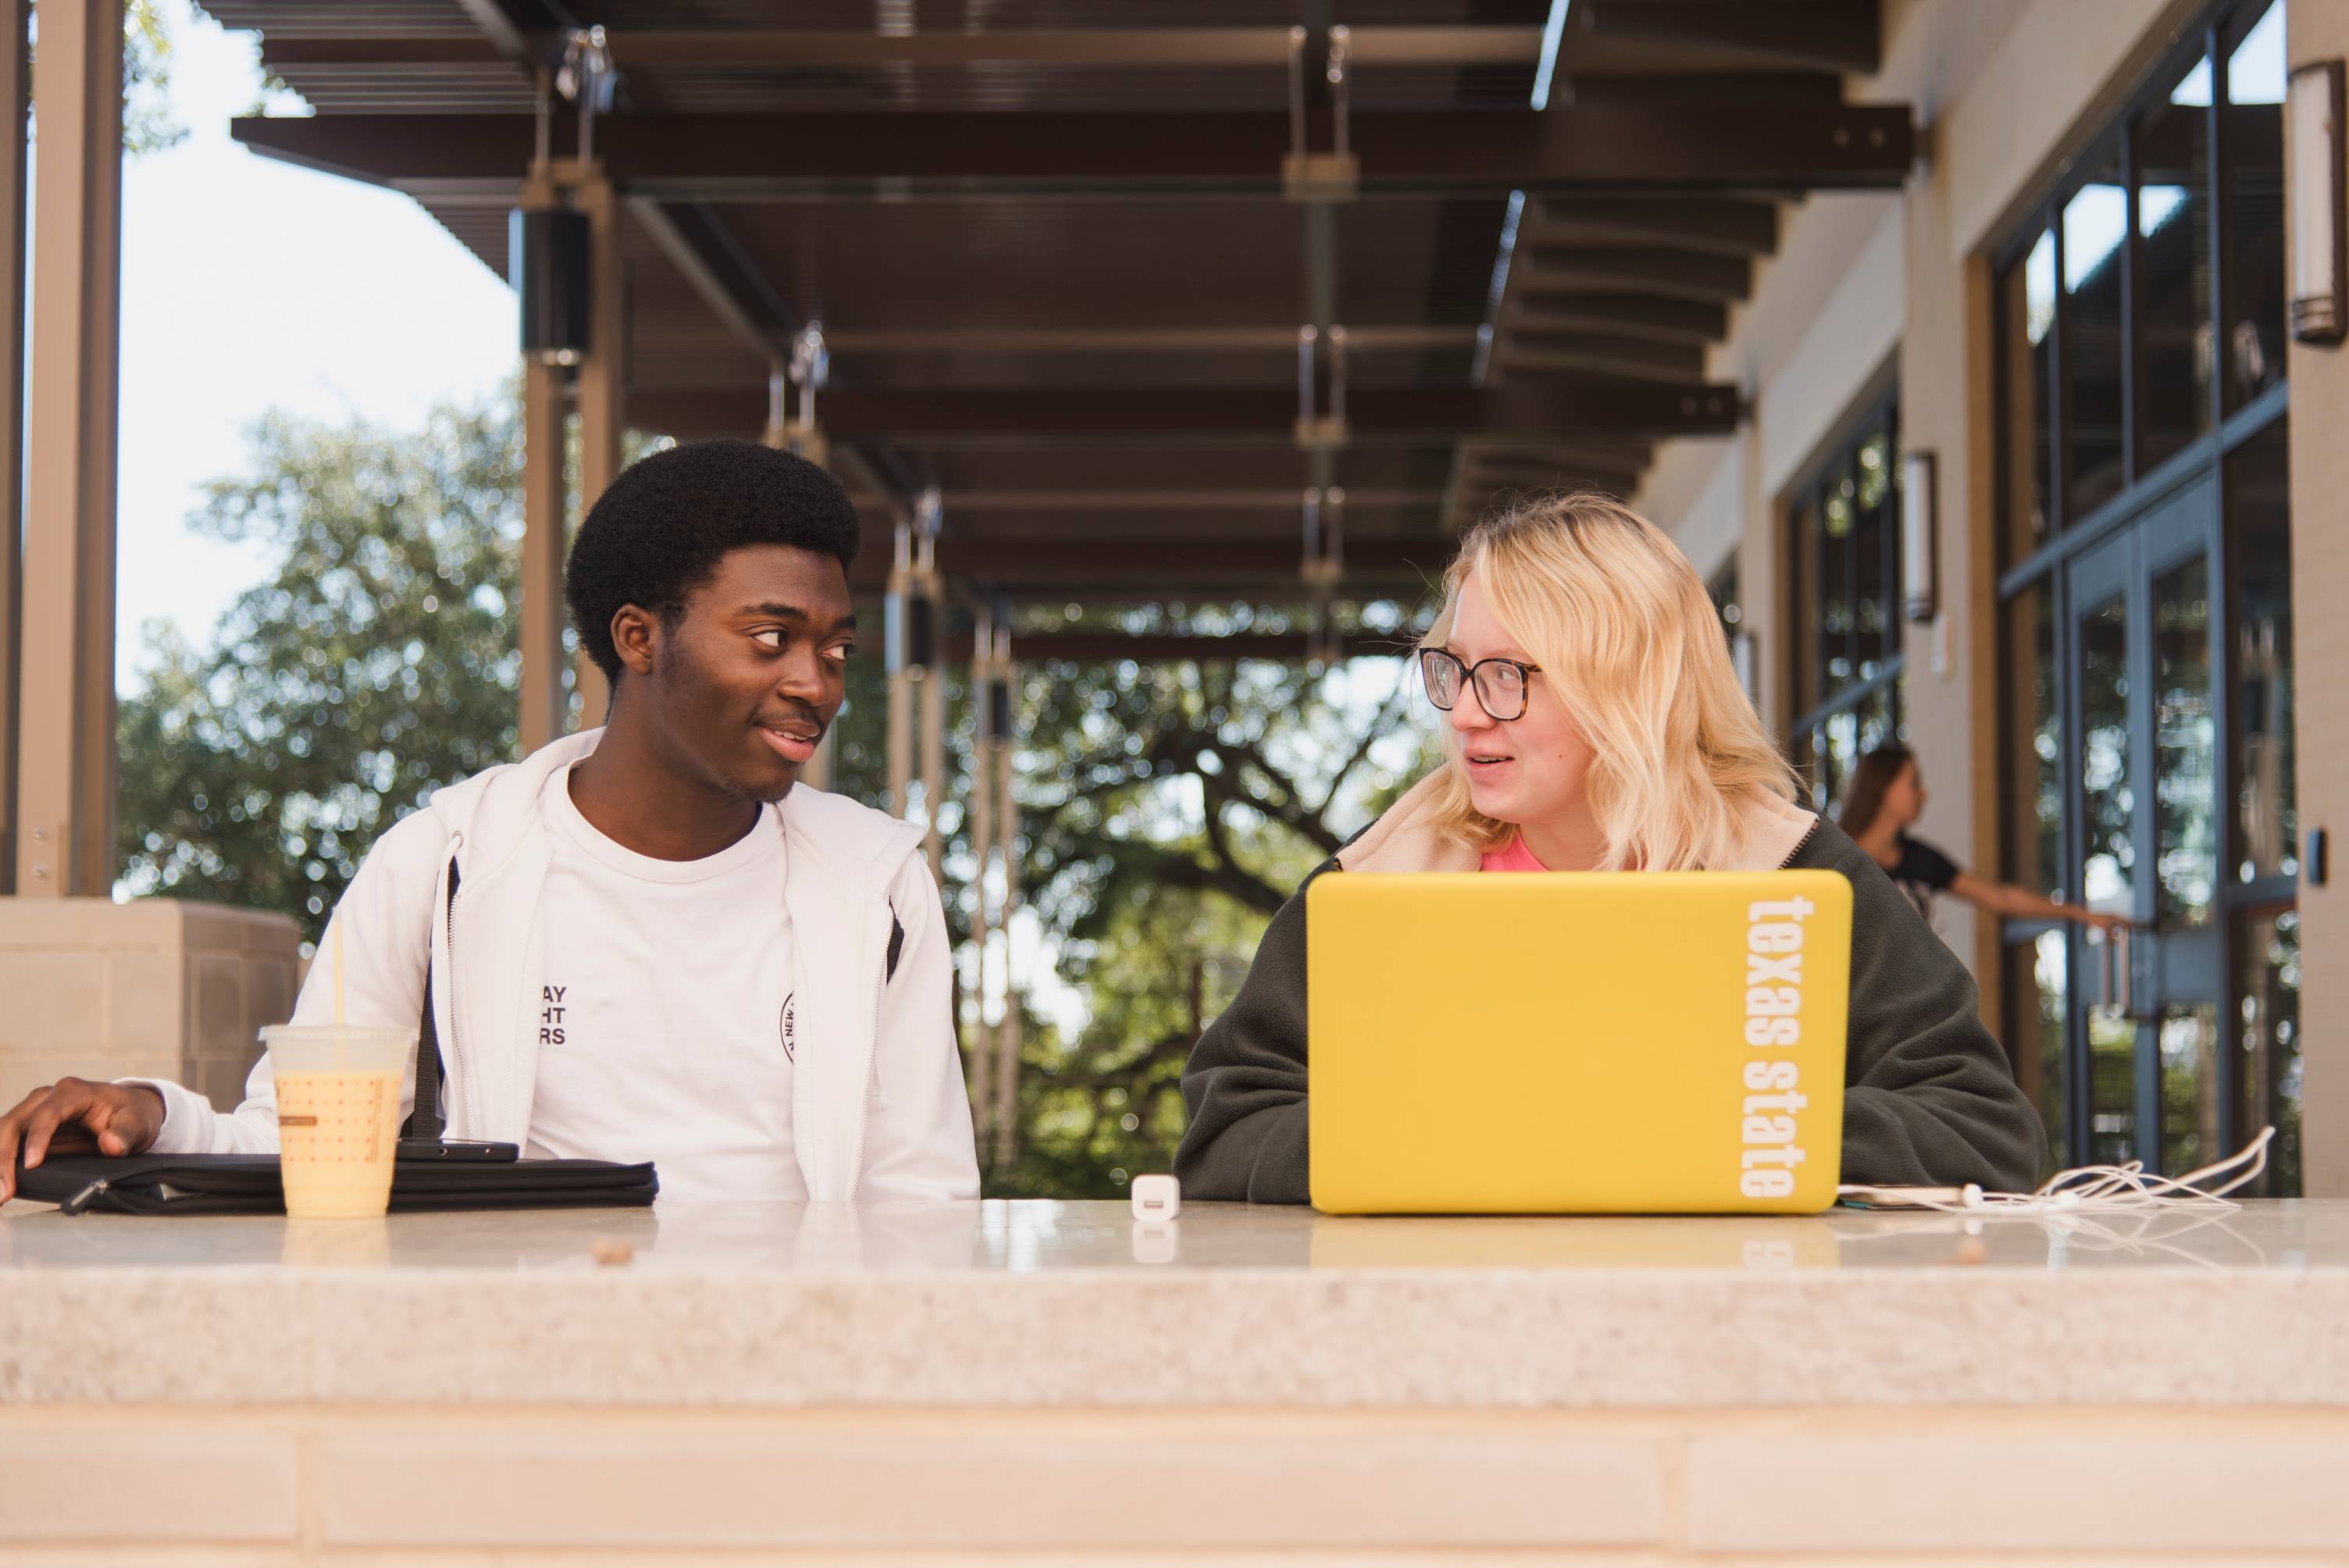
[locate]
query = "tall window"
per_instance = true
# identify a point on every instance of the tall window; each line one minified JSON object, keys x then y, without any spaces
{"x":1844,"y":532}
{"x":2126,"y":329}
{"x":2147,"y":679}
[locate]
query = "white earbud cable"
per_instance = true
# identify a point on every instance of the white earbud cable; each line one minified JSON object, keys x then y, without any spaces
{"x":2101,"y":1189}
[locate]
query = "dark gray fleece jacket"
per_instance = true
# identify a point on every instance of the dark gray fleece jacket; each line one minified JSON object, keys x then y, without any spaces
{"x":1931,"y":1096}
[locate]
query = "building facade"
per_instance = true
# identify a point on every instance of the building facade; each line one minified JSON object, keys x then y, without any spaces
{"x":2036,"y":473}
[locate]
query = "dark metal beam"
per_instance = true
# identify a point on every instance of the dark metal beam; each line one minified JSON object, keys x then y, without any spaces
{"x":1401,"y":337}
{"x":1625,"y":315}
{"x":805,"y":49}
{"x":1537,"y":476}
{"x":517,"y":31}
{"x":1719,"y":226}
{"x":393,"y":51}
{"x":1678,"y":275}
{"x":744,"y":156}
{"x":1021,"y":416}
{"x":1625,"y":460}
{"x":1682,"y":364}
{"x":1188,"y":566}
{"x":1169,"y":647}
{"x":697,"y":243}
{"x":962,"y":503}
{"x":1751,"y":89}
{"x":1826,"y":34}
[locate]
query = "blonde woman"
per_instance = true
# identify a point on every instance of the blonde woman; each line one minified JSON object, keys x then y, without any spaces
{"x":1594,"y":724}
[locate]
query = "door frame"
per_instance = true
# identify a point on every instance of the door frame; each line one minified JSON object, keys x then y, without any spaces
{"x":2165,"y":532}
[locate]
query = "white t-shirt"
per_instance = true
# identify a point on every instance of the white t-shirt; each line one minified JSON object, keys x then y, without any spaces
{"x":666,"y":1023}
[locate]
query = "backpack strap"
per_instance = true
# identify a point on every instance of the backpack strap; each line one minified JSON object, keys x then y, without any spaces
{"x":424,"y":1121}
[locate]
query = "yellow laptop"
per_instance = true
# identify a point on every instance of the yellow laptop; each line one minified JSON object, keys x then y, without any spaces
{"x":1664,"y":1042}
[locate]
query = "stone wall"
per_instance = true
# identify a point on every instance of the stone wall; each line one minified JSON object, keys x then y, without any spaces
{"x":151,"y":988}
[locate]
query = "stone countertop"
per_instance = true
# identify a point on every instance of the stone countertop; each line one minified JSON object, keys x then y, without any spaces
{"x":1074,"y":1305}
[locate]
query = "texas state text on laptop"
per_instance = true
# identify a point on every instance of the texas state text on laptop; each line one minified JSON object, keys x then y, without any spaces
{"x":1666,"y":1042}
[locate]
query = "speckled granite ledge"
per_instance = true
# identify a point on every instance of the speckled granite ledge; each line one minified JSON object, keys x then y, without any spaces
{"x":1069,"y":1306}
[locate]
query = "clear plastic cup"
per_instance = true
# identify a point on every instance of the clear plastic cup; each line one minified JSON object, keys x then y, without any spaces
{"x":337,"y":1115}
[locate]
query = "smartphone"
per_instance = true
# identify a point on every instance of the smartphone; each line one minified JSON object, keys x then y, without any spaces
{"x":1900,"y":1197}
{"x":459,"y":1148}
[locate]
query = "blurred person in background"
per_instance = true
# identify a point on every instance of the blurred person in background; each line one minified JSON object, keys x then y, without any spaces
{"x":1884,"y":799}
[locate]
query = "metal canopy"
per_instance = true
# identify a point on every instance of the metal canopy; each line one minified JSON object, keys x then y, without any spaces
{"x":1059,"y":272}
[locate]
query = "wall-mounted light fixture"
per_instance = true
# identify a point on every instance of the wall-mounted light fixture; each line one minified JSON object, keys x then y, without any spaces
{"x":1921,"y":538}
{"x":2320,"y":253}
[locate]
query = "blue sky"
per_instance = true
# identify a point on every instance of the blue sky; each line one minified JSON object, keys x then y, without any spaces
{"x":248,"y":284}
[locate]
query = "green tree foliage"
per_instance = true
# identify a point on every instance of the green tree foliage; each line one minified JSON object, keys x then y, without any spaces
{"x":377,"y":664}
{"x":1167,"y":810}
{"x":1171,"y":810}
{"x":147,"y":122}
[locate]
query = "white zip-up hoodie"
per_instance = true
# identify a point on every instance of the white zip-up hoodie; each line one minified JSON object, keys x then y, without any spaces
{"x":878,"y":1105}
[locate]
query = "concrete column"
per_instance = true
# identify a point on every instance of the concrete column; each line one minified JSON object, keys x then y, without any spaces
{"x":545,"y":511}
{"x":2320,"y":563}
{"x":602,"y":387}
{"x":16,"y":97}
{"x":1761,"y":583}
{"x":65,"y":803}
{"x":1951,"y":687}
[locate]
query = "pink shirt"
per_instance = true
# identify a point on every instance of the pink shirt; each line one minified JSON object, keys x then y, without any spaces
{"x":1512,"y":856}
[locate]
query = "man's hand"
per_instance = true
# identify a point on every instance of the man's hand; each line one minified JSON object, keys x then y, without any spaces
{"x":72,"y":1116}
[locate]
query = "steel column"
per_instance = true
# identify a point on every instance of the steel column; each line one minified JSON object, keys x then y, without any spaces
{"x":1007,"y":832}
{"x":898,"y":610}
{"x":601,"y":385}
{"x":65,"y":802}
{"x":928,"y":672}
{"x":816,"y":772}
{"x":545,"y":508}
{"x":981,"y":1053}
{"x":933,"y":758}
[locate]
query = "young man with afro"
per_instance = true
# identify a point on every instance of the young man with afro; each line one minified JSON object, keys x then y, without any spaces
{"x":646,"y":942}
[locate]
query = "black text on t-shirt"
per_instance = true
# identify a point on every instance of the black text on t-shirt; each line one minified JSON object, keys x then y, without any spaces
{"x":550,"y":1014}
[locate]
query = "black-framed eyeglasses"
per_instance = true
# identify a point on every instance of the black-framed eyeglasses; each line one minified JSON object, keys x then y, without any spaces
{"x":1500,"y":685}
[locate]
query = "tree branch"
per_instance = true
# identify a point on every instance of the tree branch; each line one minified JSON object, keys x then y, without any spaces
{"x":1372,"y":735}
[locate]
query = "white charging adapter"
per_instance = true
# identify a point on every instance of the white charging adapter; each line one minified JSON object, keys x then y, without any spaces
{"x":1157,"y":1196}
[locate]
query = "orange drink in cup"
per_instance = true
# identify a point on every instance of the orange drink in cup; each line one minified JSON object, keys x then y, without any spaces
{"x":337,"y":1115}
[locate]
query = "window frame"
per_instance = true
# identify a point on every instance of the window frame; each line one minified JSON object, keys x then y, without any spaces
{"x":1879,"y":414}
{"x":2222,"y":29}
